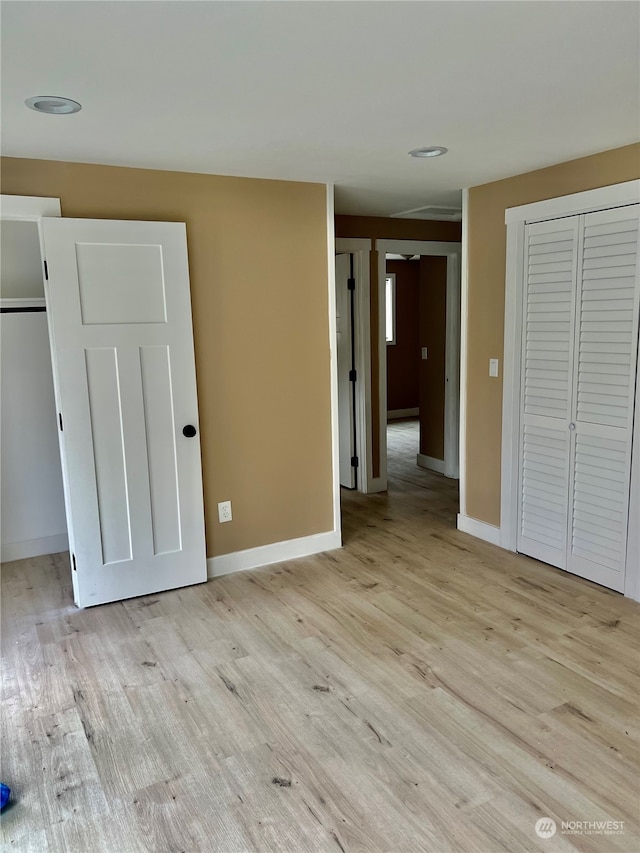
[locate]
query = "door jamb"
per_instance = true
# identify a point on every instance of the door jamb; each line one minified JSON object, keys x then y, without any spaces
{"x":616,"y":195}
{"x":452,"y":252}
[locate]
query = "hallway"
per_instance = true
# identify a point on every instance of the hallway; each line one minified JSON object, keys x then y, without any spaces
{"x":416,"y":497}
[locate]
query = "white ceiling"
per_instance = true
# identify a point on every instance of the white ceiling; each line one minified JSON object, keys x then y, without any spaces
{"x":325,"y":91}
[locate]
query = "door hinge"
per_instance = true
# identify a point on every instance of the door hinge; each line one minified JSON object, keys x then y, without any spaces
{"x":60,"y":421}
{"x":46,"y":271}
{"x":351,"y":284}
{"x":73,"y":560}
{"x":353,"y":375}
{"x":354,"y":461}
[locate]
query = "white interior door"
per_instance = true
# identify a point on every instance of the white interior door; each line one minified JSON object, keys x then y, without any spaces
{"x":547,"y":364}
{"x":346,"y":413}
{"x":122,"y":349}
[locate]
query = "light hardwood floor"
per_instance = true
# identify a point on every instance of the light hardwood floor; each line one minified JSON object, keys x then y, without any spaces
{"x":418,"y":690}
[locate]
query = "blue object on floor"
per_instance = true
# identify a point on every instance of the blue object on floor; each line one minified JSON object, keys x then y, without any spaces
{"x":5,"y":793}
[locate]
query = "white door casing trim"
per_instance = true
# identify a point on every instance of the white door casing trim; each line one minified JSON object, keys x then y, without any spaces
{"x":589,"y":201}
{"x":28,"y":208}
{"x":264,"y":555}
{"x":464,"y":332}
{"x":360,"y":248}
{"x":617,"y":195}
{"x":632,"y":576}
{"x":333,"y":350}
{"x":452,"y":252}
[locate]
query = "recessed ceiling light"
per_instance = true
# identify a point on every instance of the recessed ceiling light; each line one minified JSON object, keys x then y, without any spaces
{"x":429,"y":151}
{"x":53,"y":105}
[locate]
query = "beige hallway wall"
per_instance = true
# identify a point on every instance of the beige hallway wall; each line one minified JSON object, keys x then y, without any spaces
{"x":258,"y":265}
{"x":486,"y":265}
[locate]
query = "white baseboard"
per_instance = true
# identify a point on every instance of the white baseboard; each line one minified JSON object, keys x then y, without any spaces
{"x":377,"y":485}
{"x":34,"y":547}
{"x":430,"y":463}
{"x":479,"y":529}
{"x":264,"y":555}
{"x":396,"y":414}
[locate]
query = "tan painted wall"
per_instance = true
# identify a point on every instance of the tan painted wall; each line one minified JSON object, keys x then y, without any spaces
{"x":258,"y":265}
{"x":486,"y":264}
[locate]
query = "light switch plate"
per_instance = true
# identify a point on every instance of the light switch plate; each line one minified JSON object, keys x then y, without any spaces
{"x":424,"y":353}
{"x":493,"y":367}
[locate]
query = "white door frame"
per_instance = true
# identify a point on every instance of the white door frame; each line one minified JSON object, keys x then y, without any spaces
{"x":452,"y":252}
{"x":361,"y":250}
{"x":29,"y":209}
{"x":516,"y":218}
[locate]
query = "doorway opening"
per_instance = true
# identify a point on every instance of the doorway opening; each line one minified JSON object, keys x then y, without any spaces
{"x":376,"y":335}
{"x":419,"y":356}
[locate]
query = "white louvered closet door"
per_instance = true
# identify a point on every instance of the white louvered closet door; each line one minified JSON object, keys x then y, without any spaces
{"x":548,"y":332}
{"x":605,"y":356}
{"x":579,"y":361}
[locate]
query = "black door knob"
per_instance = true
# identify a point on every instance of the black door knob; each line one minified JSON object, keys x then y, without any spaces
{"x":189,"y":431}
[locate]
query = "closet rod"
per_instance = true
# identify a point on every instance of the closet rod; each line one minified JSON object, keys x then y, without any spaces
{"x":25,"y":310}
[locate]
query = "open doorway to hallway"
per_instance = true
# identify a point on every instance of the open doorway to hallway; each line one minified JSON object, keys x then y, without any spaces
{"x":434,"y":309}
{"x":416,"y":506}
{"x":417,"y":327}
{"x":361,"y":288}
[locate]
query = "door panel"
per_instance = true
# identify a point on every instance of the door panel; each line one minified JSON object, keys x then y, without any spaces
{"x":550,"y":271}
{"x":122,"y":344}
{"x":155,"y":371}
{"x":104,"y":274}
{"x":605,"y":351}
{"x":107,"y":447}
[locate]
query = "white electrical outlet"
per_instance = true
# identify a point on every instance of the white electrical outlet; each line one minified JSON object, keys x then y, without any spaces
{"x":424,"y":353}
{"x":224,"y":511}
{"x":493,"y":367}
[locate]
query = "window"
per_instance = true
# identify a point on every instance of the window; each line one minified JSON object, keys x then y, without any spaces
{"x":390,"y":307}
